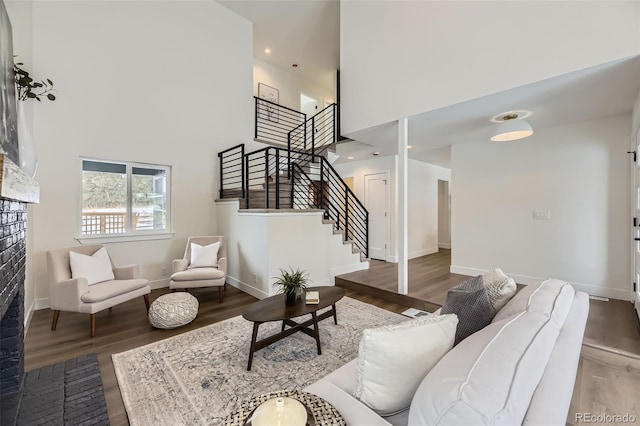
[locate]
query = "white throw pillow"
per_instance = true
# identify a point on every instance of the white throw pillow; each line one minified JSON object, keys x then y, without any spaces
{"x":204,"y":256}
{"x":95,"y":268}
{"x":500,"y":287}
{"x":393,"y":360}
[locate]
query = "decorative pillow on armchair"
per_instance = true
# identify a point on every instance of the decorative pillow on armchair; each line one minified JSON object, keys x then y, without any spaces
{"x":470,"y":302}
{"x":204,"y":256}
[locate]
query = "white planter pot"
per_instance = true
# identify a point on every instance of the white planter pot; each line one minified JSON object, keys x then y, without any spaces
{"x":27,"y":154}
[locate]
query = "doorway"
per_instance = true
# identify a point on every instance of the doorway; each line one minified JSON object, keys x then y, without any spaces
{"x":376,"y":199}
{"x":444,"y":215}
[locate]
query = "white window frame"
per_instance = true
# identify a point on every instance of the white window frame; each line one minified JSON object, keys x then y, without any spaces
{"x":130,"y":235}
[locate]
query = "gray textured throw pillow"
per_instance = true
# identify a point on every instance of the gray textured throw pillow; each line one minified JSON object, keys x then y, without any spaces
{"x":470,"y":302}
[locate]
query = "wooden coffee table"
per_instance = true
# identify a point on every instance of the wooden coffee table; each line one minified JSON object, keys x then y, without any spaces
{"x":274,"y":309}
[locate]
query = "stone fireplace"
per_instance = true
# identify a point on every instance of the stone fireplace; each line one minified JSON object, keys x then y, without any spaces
{"x":16,"y":190}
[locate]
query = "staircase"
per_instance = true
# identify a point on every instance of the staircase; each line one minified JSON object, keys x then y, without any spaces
{"x":294,"y":172}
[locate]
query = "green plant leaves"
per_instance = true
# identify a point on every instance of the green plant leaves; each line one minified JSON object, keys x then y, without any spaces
{"x":292,"y":281}
{"x":27,"y":88}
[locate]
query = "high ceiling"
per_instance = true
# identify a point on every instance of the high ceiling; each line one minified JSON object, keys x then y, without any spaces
{"x":303,"y":32}
{"x":307,"y":32}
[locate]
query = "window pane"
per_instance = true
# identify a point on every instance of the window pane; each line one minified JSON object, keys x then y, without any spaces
{"x":149,"y":198}
{"x":104,"y":198}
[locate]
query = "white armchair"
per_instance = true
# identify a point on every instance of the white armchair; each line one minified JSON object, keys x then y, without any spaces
{"x":76,"y":295}
{"x":186,"y":276}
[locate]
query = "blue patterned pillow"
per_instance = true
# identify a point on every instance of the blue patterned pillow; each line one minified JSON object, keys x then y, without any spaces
{"x":470,"y":302}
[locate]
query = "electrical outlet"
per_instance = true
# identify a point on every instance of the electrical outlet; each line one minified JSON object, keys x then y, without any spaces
{"x":164,"y":272}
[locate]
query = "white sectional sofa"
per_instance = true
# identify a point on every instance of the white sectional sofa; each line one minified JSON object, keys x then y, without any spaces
{"x":520,"y":369}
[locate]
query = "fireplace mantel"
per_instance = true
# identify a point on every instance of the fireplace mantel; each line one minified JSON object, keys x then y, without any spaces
{"x":16,"y":184}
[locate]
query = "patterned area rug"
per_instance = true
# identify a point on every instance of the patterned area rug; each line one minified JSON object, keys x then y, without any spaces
{"x":201,"y":376}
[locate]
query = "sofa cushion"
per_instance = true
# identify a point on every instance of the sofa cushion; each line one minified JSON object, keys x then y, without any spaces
{"x":490,"y":377}
{"x":393,"y":360}
{"x":500,"y":287}
{"x":518,"y":303}
{"x":470,"y":302}
{"x":197,"y":274}
{"x":95,"y":268}
{"x":109,"y":289}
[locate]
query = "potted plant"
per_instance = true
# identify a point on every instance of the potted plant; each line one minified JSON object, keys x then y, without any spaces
{"x":28,"y":88}
{"x":292,"y":284}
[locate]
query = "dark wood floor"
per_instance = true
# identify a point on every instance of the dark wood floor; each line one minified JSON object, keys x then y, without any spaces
{"x":429,"y":281}
{"x":126,"y":327}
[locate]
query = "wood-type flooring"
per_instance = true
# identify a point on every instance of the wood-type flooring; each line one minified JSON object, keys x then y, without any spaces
{"x":602,"y":376}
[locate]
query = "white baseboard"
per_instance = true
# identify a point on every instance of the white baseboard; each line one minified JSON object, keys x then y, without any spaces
{"x":612,"y":293}
{"x":42,"y":303}
{"x":27,"y":317}
{"x":423,"y":252}
{"x":444,"y":245}
{"x":255,"y":292}
{"x":161,"y":283}
{"x":345,"y":269}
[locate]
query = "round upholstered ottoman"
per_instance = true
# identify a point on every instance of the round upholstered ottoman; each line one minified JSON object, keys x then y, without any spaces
{"x":173,"y":310}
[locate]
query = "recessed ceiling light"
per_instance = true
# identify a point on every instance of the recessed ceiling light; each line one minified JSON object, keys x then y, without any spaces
{"x":409,"y":146}
{"x":295,"y":65}
{"x":267,"y":50}
{"x":351,"y":157}
{"x":375,"y":154}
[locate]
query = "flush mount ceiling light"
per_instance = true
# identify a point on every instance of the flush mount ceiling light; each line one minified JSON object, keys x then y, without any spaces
{"x":511,"y":128}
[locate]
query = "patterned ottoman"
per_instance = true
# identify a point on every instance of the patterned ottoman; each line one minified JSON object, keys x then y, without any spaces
{"x":173,"y":310}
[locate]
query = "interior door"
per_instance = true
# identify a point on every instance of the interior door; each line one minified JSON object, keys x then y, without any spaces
{"x":636,"y":228}
{"x":376,"y":198}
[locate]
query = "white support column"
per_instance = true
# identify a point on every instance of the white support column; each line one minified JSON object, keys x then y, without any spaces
{"x":403,"y":206}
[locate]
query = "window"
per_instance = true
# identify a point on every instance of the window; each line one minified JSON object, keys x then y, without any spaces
{"x":120,"y":198}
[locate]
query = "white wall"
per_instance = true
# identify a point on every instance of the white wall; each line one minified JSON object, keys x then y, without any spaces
{"x":396,"y":55}
{"x":138,"y":81}
{"x":289,"y":85}
{"x":261,"y":243}
{"x":580,"y":174}
{"x":423,"y":200}
{"x":423,"y":206}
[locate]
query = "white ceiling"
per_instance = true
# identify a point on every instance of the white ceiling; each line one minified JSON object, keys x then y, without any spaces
{"x":303,"y":32}
{"x":307,"y":32}
{"x":601,"y":91}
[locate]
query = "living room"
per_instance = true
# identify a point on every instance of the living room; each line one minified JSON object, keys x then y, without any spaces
{"x":180,"y":91}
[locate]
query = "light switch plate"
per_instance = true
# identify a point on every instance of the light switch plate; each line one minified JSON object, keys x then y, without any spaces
{"x":542,"y":214}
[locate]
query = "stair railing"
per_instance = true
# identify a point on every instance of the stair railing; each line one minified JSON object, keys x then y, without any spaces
{"x":273,"y":122}
{"x":232,"y":172}
{"x":331,"y":194}
{"x":263,"y":169}
{"x":316,"y":134}
{"x":321,"y":187}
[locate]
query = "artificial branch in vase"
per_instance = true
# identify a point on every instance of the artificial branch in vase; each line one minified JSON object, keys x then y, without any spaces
{"x":28,"y":88}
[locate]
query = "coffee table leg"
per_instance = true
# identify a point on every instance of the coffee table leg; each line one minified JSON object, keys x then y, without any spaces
{"x":335,"y":315}
{"x":317,"y":331}
{"x":253,"y":342}
{"x":282,"y":325}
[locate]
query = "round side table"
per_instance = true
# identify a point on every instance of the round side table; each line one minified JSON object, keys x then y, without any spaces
{"x":324,"y":413}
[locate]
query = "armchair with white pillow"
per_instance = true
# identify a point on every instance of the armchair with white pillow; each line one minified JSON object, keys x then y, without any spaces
{"x":204,"y":265}
{"x":83,"y":279}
